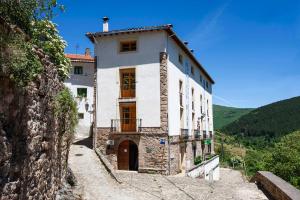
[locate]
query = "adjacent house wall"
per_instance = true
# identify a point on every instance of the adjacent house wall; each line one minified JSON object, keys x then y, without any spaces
{"x":85,"y":80}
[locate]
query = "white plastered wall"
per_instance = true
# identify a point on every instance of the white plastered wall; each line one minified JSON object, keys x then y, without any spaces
{"x":146,"y":62}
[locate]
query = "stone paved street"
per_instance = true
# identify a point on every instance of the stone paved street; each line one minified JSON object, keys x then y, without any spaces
{"x":97,"y":183}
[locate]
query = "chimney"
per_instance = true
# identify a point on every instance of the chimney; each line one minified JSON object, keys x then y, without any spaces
{"x":87,"y":52}
{"x":105,"y":24}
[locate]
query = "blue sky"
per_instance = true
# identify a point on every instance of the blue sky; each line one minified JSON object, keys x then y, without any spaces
{"x":250,"y":48}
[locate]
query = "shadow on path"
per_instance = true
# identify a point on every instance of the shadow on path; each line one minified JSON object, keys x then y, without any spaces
{"x":88,"y":142}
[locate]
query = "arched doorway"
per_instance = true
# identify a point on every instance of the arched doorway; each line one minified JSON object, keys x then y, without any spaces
{"x":128,"y":156}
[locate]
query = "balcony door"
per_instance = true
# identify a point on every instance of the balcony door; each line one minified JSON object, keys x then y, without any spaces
{"x":128,"y":117}
{"x":127,"y":79}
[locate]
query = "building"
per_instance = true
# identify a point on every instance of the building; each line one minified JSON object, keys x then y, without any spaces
{"x":153,"y":100}
{"x":81,"y":84}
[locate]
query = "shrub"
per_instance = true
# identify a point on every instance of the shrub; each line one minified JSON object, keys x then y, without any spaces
{"x":197,"y":160}
{"x":65,"y":109}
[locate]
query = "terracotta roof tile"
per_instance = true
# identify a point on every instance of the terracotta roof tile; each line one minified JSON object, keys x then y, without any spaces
{"x":80,"y":57}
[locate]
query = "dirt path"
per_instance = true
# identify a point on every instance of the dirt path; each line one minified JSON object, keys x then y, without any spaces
{"x":97,"y":184}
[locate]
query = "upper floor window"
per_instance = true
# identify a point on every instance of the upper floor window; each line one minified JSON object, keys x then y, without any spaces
{"x":201,"y":108}
{"x":180,"y":93}
{"x":126,"y":46}
{"x":180,"y":59}
{"x":193,"y":100}
{"x":192,"y":70}
{"x":206,"y":84}
{"x":127,"y":79}
{"x":81,"y":92}
{"x":201,"y":78}
{"x":78,"y":70}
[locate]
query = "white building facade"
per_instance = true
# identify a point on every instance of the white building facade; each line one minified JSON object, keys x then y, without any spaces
{"x":153,"y":100}
{"x":81,"y":84}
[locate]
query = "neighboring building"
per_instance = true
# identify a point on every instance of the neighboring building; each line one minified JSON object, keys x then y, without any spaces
{"x":81,"y":84}
{"x":153,"y":100}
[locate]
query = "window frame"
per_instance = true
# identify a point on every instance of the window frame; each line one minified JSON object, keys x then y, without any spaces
{"x":82,"y":96}
{"x":78,"y":67}
{"x":180,"y":58}
{"x":130,"y":42}
{"x":79,"y":115}
{"x":192,"y":70}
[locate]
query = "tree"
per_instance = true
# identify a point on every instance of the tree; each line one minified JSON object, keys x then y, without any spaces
{"x":285,"y":159}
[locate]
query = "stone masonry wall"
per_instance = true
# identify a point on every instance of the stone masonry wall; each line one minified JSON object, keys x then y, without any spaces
{"x":33,"y":147}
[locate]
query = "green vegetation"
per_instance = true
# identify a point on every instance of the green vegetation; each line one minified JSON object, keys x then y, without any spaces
{"x":66,"y":107}
{"x":266,"y":125}
{"x":30,"y":26}
{"x":26,"y":25}
{"x":225,"y":115}
{"x":267,"y":138}
{"x":197,"y":160}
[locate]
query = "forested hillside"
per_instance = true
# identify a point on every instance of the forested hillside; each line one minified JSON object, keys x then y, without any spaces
{"x":266,"y":124}
{"x":224,"y":115}
{"x":267,"y":138}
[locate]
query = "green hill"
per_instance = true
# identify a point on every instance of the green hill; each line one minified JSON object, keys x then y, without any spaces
{"x":266,"y":124}
{"x":225,"y":115}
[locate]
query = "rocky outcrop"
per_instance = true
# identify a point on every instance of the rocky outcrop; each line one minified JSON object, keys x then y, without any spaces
{"x":34,"y":145}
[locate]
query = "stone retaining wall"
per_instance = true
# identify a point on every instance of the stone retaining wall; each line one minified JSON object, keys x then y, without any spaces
{"x":34,"y":146}
{"x":276,"y":187}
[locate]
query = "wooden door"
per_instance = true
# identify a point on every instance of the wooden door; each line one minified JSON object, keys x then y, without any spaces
{"x":123,"y":156}
{"x":128,"y":117}
{"x":127,"y":77}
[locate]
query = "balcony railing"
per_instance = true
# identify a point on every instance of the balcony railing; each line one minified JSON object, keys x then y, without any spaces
{"x":184,"y":134}
{"x":197,"y":134}
{"x":126,"y":125}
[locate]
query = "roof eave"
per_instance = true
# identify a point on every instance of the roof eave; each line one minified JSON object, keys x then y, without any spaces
{"x":190,"y":54}
{"x":170,"y":31}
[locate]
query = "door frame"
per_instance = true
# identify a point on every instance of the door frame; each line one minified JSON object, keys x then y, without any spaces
{"x":128,"y":123}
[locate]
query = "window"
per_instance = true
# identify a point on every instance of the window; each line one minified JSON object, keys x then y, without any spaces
{"x":127,"y":79}
{"x":201,"y":78}
{"x":192,"y":70}
{"x":181,"y":118}
{"x":180,"y":60}
{"x":207,"y":109}
{"x":78,"y":70}
{"x":193,"y":121}
{"x":81,"y":92}
{"x":128,"y":46}
{"x":194,"y":151}
{"x":180,"y":94}
{"x":206,"y":83}
{"x":193,"y":100}
{"x":201,"y":108}
{"x":80,"y":115}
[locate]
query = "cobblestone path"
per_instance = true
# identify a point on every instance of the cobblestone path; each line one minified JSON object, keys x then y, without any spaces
{"x":97,"y":184}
